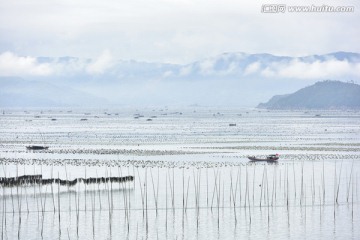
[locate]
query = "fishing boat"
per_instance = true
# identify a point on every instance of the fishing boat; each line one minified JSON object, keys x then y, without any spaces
{"x":269,"y":158}
{"x":36,"y":147}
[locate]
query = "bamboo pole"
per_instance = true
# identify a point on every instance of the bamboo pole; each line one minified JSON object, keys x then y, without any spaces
{"x":155,"y":199}
{"x":121,"y":185}
{"x":99,"y":190}
{"x":187,"y":193}
{"x":59,"y":209}
{"x":183,"y":190}
{"x":294,"y":179}
{"x":262,"y":185}
{"x":215,"y":186}
{"x":247,"y":183}
{"x":52,"y":188}
{"x":348,"y":189}
{"x":338,"y":188}
{"x":142,"y":195}
{"x":85,"y":190}
{"x":323,"y":182}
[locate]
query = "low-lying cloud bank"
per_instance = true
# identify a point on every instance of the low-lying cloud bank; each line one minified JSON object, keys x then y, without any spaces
{"x":14,"y":65}
{"x":331,"y":68}
{"x":225,"y":65}
{"x":236,"y":79}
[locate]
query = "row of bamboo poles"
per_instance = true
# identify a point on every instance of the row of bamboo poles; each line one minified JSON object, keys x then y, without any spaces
{"x":235,"y":191}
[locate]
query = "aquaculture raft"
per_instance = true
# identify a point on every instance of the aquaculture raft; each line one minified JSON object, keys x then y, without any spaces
{"x":37,"y":179}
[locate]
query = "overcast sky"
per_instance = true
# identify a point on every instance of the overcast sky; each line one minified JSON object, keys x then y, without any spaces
{"x":174,"y":31}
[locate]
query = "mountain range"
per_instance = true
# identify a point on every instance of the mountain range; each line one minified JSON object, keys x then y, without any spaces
{"x":229,"y":79}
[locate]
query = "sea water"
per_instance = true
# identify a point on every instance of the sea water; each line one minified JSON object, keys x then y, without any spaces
{"x":192,"y":177}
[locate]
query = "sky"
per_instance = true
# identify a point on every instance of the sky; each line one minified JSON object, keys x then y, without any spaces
{"x":171,"y":31}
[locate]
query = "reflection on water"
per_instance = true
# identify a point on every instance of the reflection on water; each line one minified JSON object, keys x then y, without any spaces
{"x":275,"y":223}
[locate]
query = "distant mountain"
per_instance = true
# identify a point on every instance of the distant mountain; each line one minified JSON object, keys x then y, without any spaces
{"x":228,"y":79}
{"x":321,"y":95}
{"x":17,"y":92}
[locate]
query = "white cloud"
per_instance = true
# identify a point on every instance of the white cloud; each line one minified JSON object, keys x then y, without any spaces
{"x":167,"y":74}
{"x":14,"y":65}
{"x":70,"y":67}
{"x":330,"y":68}
{"x":206,"y":66}
{"x":101,"y":64}
{"x":252,"y":68}
{"x":232,"y":68}
{"x":186,"y":70}
{"x":268,"y":72}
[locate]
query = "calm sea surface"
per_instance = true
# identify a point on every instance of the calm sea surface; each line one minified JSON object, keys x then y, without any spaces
{"x":192,"y":177}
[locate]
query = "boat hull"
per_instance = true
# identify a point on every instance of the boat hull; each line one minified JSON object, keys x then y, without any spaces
{"x":36,"y":147}
{"x":263,"y":159}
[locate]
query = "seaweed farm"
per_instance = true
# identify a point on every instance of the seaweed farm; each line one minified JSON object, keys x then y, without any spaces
{"x":167,"y":173}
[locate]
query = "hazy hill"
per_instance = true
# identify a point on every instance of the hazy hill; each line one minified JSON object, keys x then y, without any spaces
{"x":321,"y":95}
{"x":17,"y":92}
